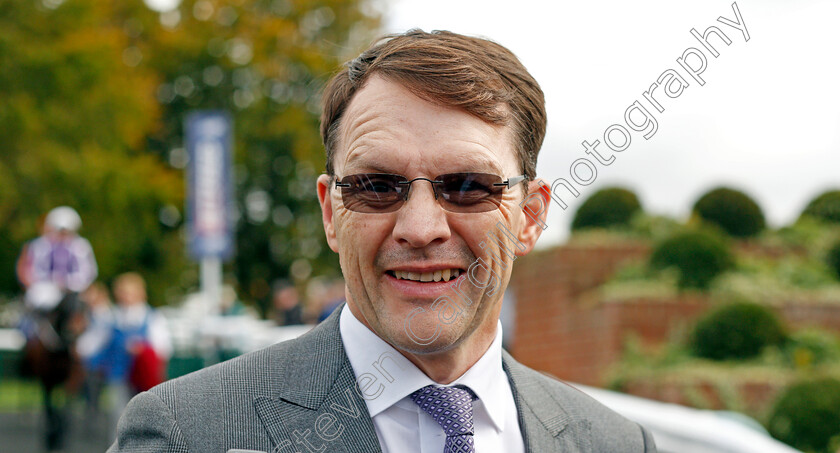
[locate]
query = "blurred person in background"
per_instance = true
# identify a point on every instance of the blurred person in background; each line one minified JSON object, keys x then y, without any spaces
{"x":53,"y":269}
{"x":59,"y":261}
{"x":59,"y":256}
{"x":285,"y":301}
{"x":333,"y":298}
{"x":230,"y":303}
{"x":100,"y":319}
{"x":132,"y":350}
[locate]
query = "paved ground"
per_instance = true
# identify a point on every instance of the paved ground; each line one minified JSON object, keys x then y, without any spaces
{"x":23,"y":433}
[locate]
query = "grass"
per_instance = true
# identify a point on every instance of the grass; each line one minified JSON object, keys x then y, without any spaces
{"x":18,"y":395}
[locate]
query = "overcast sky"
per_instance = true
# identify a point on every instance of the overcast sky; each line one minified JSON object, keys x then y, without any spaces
{"x":766,"y":120}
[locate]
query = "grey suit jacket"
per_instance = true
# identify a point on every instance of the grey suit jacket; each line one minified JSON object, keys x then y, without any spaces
{"x":301,"y":396}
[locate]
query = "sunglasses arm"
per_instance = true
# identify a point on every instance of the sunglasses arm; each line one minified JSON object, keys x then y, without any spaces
{"x":512,"y":181}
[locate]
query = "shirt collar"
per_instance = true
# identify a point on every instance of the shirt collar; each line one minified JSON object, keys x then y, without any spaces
{"x":386,"y":377}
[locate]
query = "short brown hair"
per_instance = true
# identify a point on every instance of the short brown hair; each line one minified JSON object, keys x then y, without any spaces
{"x":473,"y":74}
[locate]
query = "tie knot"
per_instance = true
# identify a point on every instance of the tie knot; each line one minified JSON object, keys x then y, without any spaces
{"x":451,"y":407}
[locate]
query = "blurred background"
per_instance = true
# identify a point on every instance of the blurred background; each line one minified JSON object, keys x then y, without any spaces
{"x":701,"y":267}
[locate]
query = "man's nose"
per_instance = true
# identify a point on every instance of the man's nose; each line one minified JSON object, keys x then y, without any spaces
{"x":421,"y":220}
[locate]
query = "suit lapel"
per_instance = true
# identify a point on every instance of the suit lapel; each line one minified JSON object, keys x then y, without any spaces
{"x":545,"y":424}
{"x":317,"y":401}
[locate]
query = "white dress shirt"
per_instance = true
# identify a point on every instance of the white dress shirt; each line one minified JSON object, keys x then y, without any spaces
{"x":387,"y":378}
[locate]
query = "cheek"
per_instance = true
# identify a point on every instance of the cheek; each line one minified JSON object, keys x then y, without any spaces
{"x":487,"y":232}
{"x":359,"y":235}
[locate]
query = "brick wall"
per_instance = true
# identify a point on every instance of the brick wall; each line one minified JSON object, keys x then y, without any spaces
{"x":557,"y":330}
{"x":803,"y":314}
{"x":564,"y":329}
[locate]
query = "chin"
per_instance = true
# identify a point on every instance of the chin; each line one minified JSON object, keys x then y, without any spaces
{"x":428,"y":337}
{"x":441,"y":344}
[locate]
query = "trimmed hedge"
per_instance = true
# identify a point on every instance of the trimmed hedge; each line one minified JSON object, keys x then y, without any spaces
{"x":825,"y":207}
{"x":698,"y":255}
{"x":739,"y":330}
{"x":605,"y":208}
{"x":807,"y":415}
{"x":833,"y":259}
{"x":733,"y":211}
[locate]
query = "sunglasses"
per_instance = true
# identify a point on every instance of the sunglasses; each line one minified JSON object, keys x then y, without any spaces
{"x":456,"y":192}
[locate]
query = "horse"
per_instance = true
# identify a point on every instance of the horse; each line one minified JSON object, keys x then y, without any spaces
{"x":49,"y":356}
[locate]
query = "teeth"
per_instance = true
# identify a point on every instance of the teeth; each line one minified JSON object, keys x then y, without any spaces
{"x":436,"y":276}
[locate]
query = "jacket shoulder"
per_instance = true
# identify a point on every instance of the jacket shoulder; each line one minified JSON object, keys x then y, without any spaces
{"x":205,"y":404}
{"x":248,"y":374}
{"x":555,"y":398}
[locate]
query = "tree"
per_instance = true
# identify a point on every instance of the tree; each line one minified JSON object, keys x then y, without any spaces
{"x":265,"y":62}
{"x":95,"y":93}
{"x":74,"y":118}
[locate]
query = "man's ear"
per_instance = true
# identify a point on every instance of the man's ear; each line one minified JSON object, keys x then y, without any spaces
{"x":535,"y":207}
{"x":327,"y":211}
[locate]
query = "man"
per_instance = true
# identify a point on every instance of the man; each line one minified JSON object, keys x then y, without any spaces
{"x":285,"y":303}
{"x":428,"y":197}
{"x":131,"y":347}
{"x":59,"y":256}
{"x":54,"y":268}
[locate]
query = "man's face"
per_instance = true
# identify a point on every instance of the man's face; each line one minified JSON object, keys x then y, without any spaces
{"x":387,"y":129}
{"x":129,"y":293}
{"x":286,"y":298}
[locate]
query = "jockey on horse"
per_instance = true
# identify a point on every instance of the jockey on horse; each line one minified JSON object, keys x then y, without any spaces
{"x":54,"y":268}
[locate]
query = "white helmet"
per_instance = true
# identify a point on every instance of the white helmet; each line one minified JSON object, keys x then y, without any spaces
{"x":64,"y":218}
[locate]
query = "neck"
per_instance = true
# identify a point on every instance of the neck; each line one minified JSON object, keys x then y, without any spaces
{"x":447,"y":366}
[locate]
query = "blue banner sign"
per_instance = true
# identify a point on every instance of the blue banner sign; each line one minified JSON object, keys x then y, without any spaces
{"x":209,"y":138}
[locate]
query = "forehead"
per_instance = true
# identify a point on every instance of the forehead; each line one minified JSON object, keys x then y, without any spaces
{"x":387,"y":128}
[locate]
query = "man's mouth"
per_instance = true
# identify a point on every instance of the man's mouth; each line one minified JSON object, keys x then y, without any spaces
{"x":441,"y":275}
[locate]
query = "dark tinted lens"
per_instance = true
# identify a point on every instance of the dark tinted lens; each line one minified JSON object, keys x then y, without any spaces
{"x":372,"y":192}
{"x":470,"y":192}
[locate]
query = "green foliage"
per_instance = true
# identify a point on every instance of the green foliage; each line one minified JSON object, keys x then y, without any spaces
{"x":94,"y":94}
{"x":731,"y":210}
{"x":792,"y":271}
{"x":825,"y":207}
{"x":807,"y":415}
{"x":265,"y":62}
{"x":739,"y":330}
{"x":74,"y":118}
{"x":700,"y":256}
{"x":653,"y":227}
{"x":808,"y":348}
{"x":833,"y":259}
{"x":607,"y":208}
{"x":834,"y":444}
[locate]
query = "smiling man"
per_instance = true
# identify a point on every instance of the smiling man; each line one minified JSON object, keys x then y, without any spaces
{"x":430,"y":194}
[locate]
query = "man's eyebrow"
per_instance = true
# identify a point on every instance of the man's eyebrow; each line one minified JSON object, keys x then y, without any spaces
{"x":371,"y":167}
{"x":478,"y":163}
{"x":465,"y":163}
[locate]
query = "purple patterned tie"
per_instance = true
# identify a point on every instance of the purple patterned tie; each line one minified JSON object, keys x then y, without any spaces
{"x":451,"y":407}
